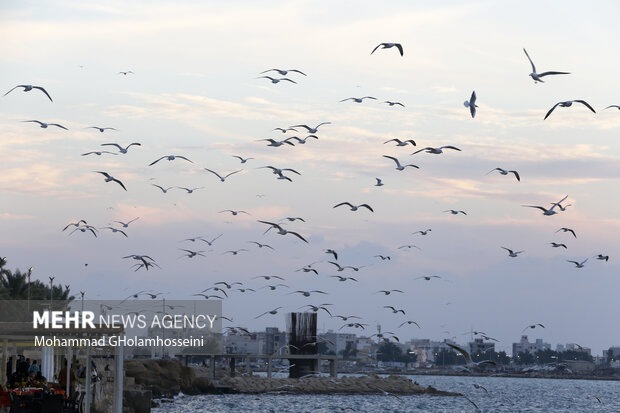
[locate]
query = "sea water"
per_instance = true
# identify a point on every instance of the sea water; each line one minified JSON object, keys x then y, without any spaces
{"x":505,"y":395}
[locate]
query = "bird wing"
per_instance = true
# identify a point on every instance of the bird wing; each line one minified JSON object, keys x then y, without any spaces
{"x":298,"y":236}
{"x":344,"y":100}
{"x":39,"y":122}
{"x":528,"y":58}
{"x":13,"y":89}
{"x":290,"y":80}
{"x":154,"y":162}
{"x":231,"y":173}
{"x":60,"y":126}
{"x":461,"y":350}
{"x":552,"y":73}
{"x":535,"y":206}
{"x":266,"y":71}
{"x":343,"y":203}
{"x":400,"y":48}
{"x":551,"y":110}
{"x":367,"y":206}
{"x":213,"y":172}
{"x":516,"y":175}
{"x":472,"y":102}
{"x":392,"y":158}
{"x":297,"y":71}
{"x":183,"y":157}
{"x":119,"y":182}
{"x":451,"y":147}
{"x":583,"y":102}
{"x":393,"y":140}
{"x":110,"y":144}
{"x":423,"y":149}
{"x":373,"y":50}
{"x":303,"y":126}
{"x":291,"y":170}
{"x":44,"y":91}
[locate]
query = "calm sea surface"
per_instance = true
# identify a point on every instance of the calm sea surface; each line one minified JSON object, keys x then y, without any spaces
{"x":505,"y":395}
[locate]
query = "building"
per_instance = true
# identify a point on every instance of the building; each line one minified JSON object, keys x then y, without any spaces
{"x":479,"y":347}
{"x":525,"y":346}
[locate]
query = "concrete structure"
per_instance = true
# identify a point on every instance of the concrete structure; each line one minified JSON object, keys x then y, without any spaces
{"x":480,"y":347}
{"x":525,"y":346}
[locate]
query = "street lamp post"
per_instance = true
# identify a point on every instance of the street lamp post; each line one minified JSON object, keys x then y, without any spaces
{"x":29,"y":272}
{"x":51,"y":291}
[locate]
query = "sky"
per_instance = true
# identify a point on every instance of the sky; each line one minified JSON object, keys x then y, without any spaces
{"x":196,"y":93}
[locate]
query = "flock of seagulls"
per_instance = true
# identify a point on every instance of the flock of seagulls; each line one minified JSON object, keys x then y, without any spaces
{"x":222,"y":289}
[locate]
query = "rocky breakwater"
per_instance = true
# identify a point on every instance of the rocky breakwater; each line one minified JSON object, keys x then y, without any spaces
{"x":156,"y":378}
{"x":370,"y":384}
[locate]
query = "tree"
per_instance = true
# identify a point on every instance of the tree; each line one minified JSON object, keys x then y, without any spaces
{"x":524,"y":357}
{"x":448,"y":358}
{"x":14,"y":286}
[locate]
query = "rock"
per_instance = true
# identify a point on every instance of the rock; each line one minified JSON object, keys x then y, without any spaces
{"x":137,"y":401}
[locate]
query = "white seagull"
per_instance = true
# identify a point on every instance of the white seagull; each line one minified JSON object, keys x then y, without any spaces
{"x":282,"y":231}
{"x":394,"y":103}
{"x":578,"y":264}
{"x":309,"y":129}
{"x":274,"y":80}
{"x":512,"y":253}
{"x":567,"y":104}
{"x":537,"y":76}
{"x":436,"y":151}
{"x":550,"y":211}
{"x":109,"y":178}
{"x":401,"y":143}
{"x":115,"y":230}
{"x":170,"y":158}
{"x":164,"y":190}
{"x":355,"y":207}
{"x":98,"y":153}
{"x":275,"y":143}
{"x":471,"y":104}
{"x":389,"y":46}
{"x":398,"y":165}
{"x":506,"y":172}
{"x":100,"y":129}
{"x":358,"y":100}
{"x":45,"y":125}
{"x":234,"y":213}
{"x":563,"y":229}
{"x":126,"y":224}
{"x":120,"y":148}
{"x":303,"y":141}
{"x":243,"y":160}
{"x":222,"y":178}
{"x":284,"y":130}
{"x":28,"y":88}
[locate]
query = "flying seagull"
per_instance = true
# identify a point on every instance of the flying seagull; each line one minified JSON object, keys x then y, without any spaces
{"x":75,"y":224}
{"x":613,"y":106}
{"x":512,"y":253}
{"x":506,"y":172}
{"x":471,"y":104}
{"x":563,"y":229}
{"x":126,"y":224}
{"x":309,"y":129}
{"x":234,"y":213}
{"x":275,"y":144}
{"x":409,"y":322}
{"x":28,"y":88}
{"x":398,"y":165}
{"x":100,"y":129}
{"x":109,"y":178}
{"x":427,"y":277}
{"x":283,"y":72}
{"x":355,"y":207}
{"x":537,"y":76}
{"x":190,"y":190}
{"x":222,"y":178}
{"x":98,"y":153}
{"x":303,"y":141}
{"x":567,"y":104}
{"x":422,"y":232}
{"x":394,"y":103}
{"x":358,"y":100}
{"x":261,"y":245}
{"x":116,"y":230}
{"x":455,"y":212}
{"x":283,"y":231}
{"x":533,"y":326}
{"x":389,"y":46}
{"x":272,"y":312}
{"x":243,"y":160}
{"x":170,"y":158}
{"x":557,"y":245}
{"x":331,"y":251}
{"x":120,"y":148}
{"x":550,"y":211}
{"x":164,"y":190}
{"x":467,"y":357}
{"x":379,"y":182}
{"x":602,"y":257}
{"x":394,"y":310}
{"x":126,"y":73}
{"x":274,"y":80}
{"x":401,"y":143}
{"x":578,"y":264}
{"x":284,"y":130}
{"x":436,"y":151}
{"x":84,"y":229}
{"x":388,"y":292}
{"x":45,"y":125}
